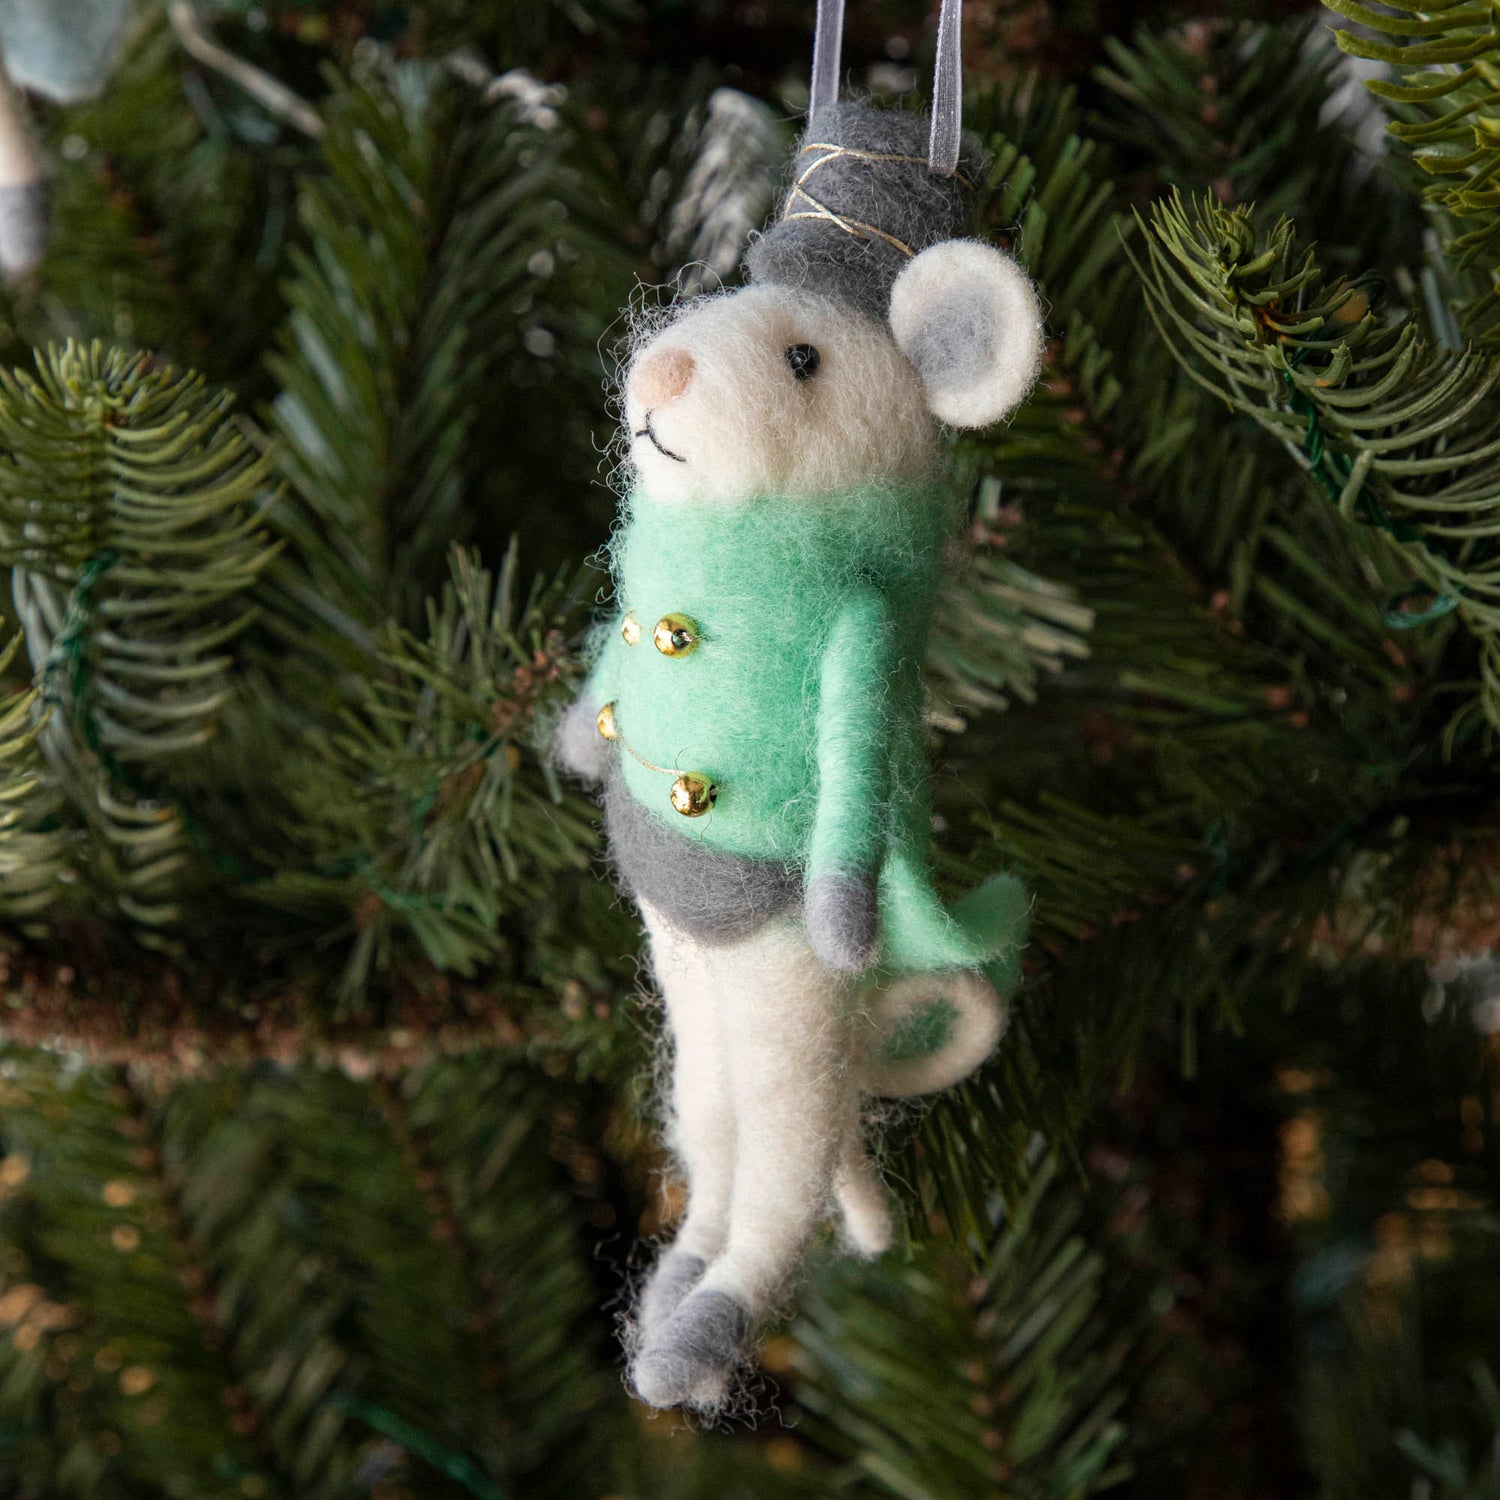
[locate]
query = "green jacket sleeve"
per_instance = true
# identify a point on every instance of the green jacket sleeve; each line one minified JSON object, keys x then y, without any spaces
{"x":853,"y":739}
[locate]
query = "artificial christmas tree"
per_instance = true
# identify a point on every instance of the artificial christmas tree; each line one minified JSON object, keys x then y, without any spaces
{"x":329,"y":1129}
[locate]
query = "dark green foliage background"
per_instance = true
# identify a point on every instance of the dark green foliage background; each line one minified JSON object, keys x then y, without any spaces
{"x":325,"y":1090}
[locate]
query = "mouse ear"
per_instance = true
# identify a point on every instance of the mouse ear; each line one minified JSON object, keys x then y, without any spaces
{"x":968,"y":318}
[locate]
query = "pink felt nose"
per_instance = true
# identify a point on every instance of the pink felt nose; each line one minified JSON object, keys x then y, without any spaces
{"x":661,"y":377}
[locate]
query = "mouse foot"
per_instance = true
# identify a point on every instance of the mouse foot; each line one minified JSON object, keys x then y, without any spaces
{"x":690,"y":1359}
{"x":674,"y":1275}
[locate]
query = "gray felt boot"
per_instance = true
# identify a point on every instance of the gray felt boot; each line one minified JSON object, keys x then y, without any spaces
{"x":671,"y":1279}
{"x":688,"y":1361}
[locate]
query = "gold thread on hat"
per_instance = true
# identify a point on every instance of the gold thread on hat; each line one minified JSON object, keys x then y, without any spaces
{"x":820,"y":210}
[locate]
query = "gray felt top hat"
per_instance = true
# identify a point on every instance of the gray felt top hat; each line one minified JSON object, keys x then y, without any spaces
{"x":870,"y":187}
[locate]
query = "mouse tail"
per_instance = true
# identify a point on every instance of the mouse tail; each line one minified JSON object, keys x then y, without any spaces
{"x":930,"y":1031}
{"x":934,"y":1023}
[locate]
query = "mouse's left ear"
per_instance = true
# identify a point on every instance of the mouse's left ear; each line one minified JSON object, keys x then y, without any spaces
{"x":967,"y":317}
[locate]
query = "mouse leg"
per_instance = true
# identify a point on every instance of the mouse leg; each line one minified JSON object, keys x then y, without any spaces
{"x":861,"y":1196}
{"x":700,"y":1118}
{"x":787,"y":1030}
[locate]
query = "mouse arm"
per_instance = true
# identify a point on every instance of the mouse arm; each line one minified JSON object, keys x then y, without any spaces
{"x":853,"y":763}
{"x":577,"y":746}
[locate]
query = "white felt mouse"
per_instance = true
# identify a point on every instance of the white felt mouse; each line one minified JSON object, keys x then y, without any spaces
{"x":754,"y":713}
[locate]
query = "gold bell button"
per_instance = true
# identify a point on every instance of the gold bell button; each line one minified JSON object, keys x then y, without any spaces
{"x":605,"y":723}
{"x":630,"y":629}
{"x":693,"y":794}
{"x":675,"y":635}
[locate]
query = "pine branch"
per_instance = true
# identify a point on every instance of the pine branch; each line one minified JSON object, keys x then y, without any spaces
{"x":1447,"y":61}
{"x":434,"y":223}
{"x":344,"y":1297}
{"x":481,"y":1126}
{"x":1245,"y":744}
{"x":937,"y":1384}
{"x":1173,"y":673}
{"x":727,"y":192}
{"x":1398,"y":434}
{"x":1078,"y":1029}
{"x":1122,"y":423}
{"x":999,"y":628}
{"x":129,"y":514}
{"x":1228,"y":939}
{"x":1456,"y":1473}
{"x":222,"y":1288}
{"x":1241,"y":109}
{"x":193,"y":1020}
{"x":33,"y":855}
{"x":1390,"y":1182}
{"x":108,"y":1385}
{"x":166,"y":191}
{"x":433,"y":811}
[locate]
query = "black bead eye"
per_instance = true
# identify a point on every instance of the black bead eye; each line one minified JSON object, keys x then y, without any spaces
{"x":804,"y":360}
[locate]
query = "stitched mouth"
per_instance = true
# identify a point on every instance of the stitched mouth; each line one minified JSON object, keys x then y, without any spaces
{"x":656,"y":442}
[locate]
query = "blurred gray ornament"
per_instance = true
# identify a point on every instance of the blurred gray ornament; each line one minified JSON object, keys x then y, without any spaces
{"x":24,"y":218}
{"x":62,"y":49}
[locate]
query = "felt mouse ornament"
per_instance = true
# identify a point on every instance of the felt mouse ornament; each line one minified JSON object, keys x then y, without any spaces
{"x":754,"y":712}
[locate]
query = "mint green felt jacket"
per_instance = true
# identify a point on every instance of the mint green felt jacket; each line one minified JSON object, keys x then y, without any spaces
{"x":800,"y":696}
